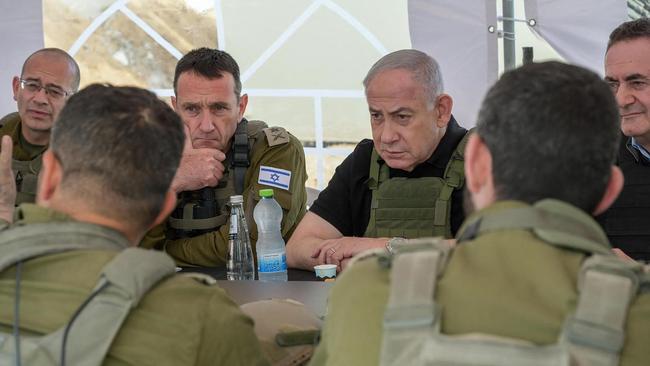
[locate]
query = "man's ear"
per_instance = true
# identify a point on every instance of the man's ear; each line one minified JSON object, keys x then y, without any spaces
{"x":444,"y":104}
{"x":613,"y":189}
{"x":168,"y":206}
{"x":475,"y":164}
{"x":173,"y":99}
{"x":49,"y":178}
{"x":15,"y":86}
{"x":243,"y":102}
{"x":478,"y":172}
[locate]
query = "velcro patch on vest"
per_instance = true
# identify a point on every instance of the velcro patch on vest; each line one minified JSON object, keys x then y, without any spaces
{"x":274,"y":177}
{"x":276,"y":136}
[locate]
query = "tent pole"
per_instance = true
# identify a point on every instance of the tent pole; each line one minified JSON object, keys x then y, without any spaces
{"x":508,"y":35}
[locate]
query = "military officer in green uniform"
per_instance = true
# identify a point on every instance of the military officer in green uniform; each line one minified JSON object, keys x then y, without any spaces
{"x":404,"y":183}
{"x":532,"y":279}
{"x":224,"y":155}
{"x":48,"y":77}
{"x":74,"y":289}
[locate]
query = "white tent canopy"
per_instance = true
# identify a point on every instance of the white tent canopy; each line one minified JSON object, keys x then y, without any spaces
{"x":22,"y":27}
{"x":454,"y":32}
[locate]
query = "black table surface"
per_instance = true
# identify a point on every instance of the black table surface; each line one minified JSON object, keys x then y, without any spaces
{"x":219,"y":273}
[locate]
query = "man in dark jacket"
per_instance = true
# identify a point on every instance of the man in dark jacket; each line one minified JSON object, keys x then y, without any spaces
{"x":627,"y":69}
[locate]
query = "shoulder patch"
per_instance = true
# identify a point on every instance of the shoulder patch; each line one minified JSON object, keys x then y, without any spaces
{"x":276,"y":136}
{"x":200,"y":277}
{"x":274,"y":177}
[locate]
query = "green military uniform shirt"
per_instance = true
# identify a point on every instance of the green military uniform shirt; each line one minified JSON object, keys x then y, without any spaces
{"x":22,"y":150}
{"x":211,"y":249}
{"x":179,"y":322}
{"x":507,"y":283}
{"x":26,"y":163}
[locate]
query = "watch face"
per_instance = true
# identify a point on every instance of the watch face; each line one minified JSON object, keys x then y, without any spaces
{"x":395,"y":242}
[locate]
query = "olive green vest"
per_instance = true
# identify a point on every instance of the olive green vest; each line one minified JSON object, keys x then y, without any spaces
{"x":413,"y":207}
{"x":86,"y":338}
{"x":26,"y":174}
{"x":592,"y":335}
{"x":25,"y":171}
{"x":203,"y":210}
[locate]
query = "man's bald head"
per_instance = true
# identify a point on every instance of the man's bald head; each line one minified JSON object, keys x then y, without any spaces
{"x":57,"y":53}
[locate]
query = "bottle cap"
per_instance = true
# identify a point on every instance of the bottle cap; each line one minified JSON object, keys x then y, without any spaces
{"x":237,"y":199}
{"x":266,"y":193}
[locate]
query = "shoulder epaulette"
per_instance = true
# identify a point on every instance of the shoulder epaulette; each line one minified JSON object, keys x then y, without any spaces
{"x":276,"y":136}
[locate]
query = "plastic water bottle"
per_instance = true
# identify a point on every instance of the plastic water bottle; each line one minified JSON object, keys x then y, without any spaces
{"x":271,"y":254}
{"x":240,"y":264}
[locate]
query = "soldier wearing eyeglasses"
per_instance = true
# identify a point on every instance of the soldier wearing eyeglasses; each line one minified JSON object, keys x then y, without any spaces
{"x":48,"y":77}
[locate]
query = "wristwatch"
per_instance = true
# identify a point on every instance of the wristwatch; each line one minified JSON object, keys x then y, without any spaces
{"x":393,"y":242}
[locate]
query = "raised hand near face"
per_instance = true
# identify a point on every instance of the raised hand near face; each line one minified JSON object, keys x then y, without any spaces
{"x":7,"y":181}
{"x":199,"y":168}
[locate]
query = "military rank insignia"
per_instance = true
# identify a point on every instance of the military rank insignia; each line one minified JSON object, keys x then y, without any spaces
{"x":274,"y":177}
{"x":276,"y":136}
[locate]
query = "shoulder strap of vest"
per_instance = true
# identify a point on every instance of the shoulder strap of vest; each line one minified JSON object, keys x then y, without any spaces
{"x":454,"y":178}
{"x":592,"y":336}
{"x":22,"y":243}
{"x":378,"y":172}
{"x":595,"y":333}
{"x":123,"y":282}
{"x":411,"y":312}
{"x":241,"y":150}
{"x":240,"y":155}
{"x":644,"y":286}
{"x":551,"y":226}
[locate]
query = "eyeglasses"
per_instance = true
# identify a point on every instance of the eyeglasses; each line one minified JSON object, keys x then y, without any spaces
{"x":34,"y":86}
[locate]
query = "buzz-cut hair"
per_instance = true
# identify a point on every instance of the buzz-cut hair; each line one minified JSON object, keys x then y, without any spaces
{"x":119,"y":148}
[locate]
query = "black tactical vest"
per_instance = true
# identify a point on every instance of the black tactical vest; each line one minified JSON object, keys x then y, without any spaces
{"x":627,"y":222}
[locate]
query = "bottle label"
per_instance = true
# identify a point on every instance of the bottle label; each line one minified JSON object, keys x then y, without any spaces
{"x":233,"y":224}
{"x":276,"y":262}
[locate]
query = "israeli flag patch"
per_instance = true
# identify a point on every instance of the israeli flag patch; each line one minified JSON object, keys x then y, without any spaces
{"x":274,"y":177}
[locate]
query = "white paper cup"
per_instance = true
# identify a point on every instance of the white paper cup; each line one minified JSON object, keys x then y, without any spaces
{"x":325,"y":270}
